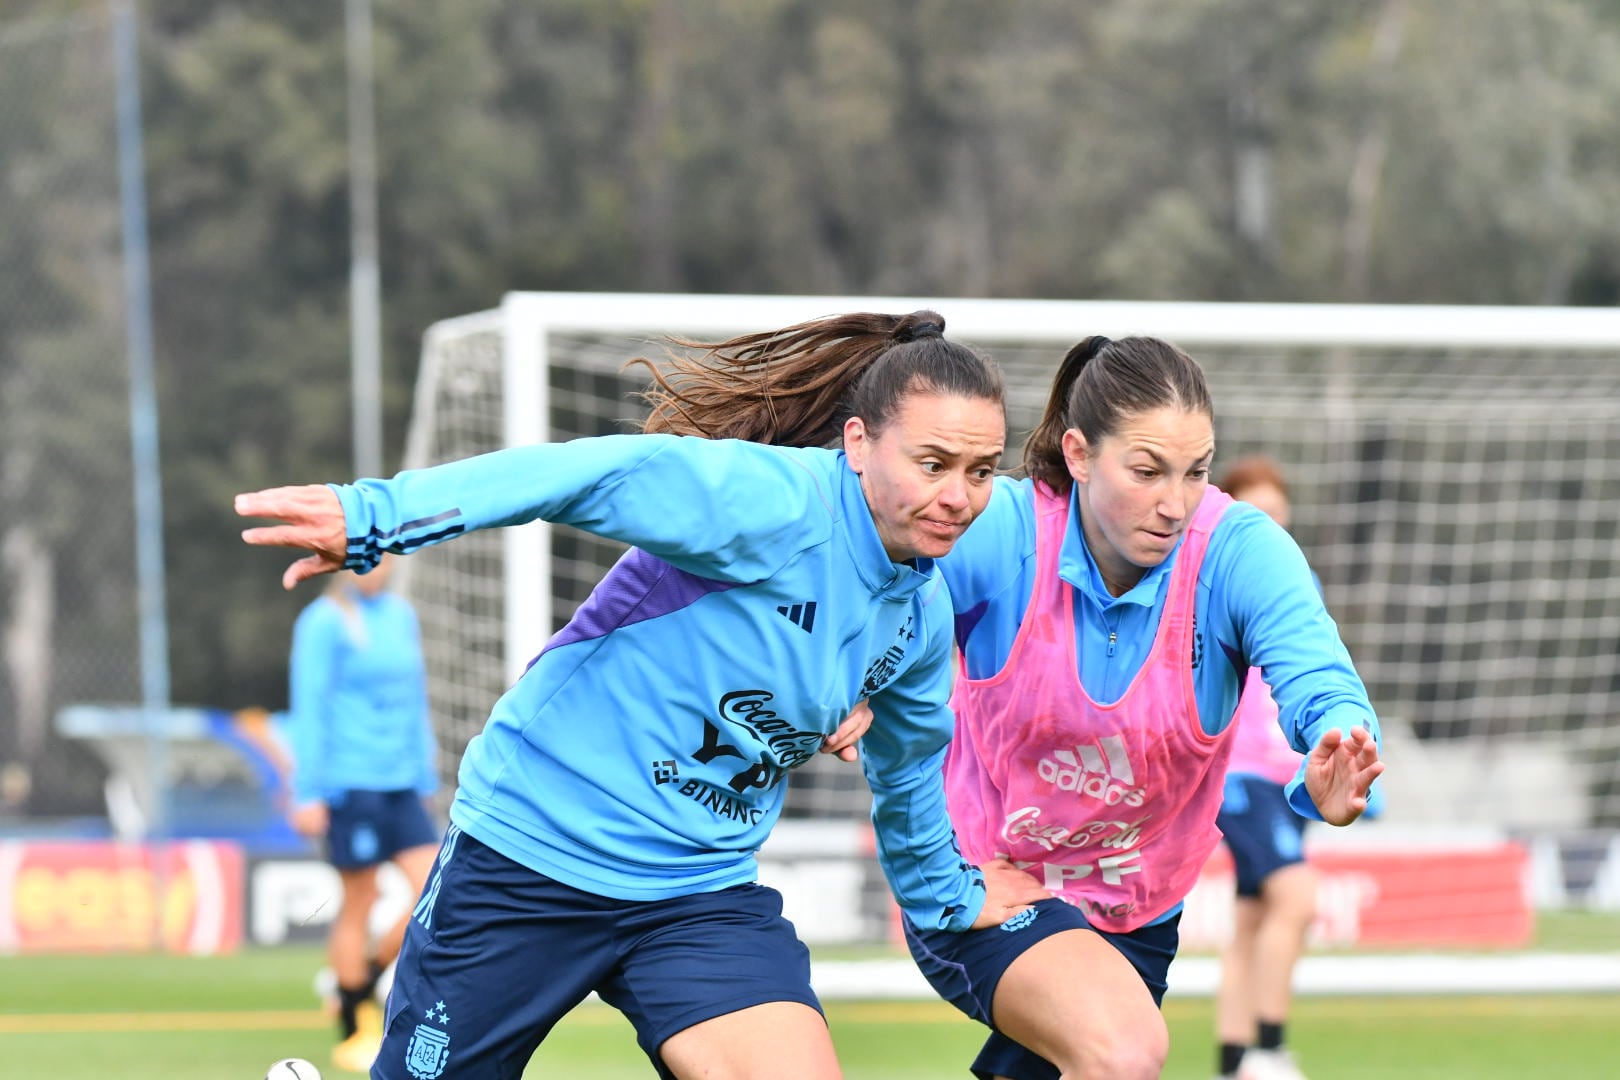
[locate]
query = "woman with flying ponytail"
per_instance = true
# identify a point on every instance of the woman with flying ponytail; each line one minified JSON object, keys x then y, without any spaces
{"x":1109,"y":608}
{"x":603,"y":831}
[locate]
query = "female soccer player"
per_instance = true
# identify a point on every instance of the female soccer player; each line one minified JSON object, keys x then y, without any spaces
{"x":1276,"y":888}
{"x":363,"y":762}
{"x":1109,"y":608}
{"x":604,"y":828}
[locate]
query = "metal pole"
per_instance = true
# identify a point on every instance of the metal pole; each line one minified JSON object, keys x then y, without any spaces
{"x":143,"y":433}
{"x":365,"y":319}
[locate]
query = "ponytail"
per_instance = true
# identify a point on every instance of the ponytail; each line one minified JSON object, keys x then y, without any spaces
{"x":918,"y":325}
{"x":1043,"y":450}
{"x":1099,"y":383}
{"x":798,"y":385}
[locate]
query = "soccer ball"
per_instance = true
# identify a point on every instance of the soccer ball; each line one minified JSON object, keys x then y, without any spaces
{"x":293,"y":1069}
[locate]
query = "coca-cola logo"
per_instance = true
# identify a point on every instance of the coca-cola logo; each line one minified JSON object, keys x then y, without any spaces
{"x":1026,"y":824}
{"x":749,"y":709}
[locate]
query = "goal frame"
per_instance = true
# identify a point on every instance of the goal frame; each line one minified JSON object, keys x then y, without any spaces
{"x":524,"y":321}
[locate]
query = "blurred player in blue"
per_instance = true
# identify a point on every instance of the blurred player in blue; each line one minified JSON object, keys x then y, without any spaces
{"x":363,"y":763}
{"x":1276,"y":888}
{"x":604,"y":829}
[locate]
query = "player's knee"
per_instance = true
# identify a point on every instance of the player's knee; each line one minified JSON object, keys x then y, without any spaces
{"x":357,"y":903}
{"x":1122,"y":1055}
{"x":1294,"y":895}
{"x":1121,"y":1063}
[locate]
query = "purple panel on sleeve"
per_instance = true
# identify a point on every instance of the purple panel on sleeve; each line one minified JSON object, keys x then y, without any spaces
{"x":639,"y":587}
{"x":967,"y":620}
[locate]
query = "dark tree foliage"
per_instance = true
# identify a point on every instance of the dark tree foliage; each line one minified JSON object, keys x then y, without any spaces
{"x":1380,"y":150}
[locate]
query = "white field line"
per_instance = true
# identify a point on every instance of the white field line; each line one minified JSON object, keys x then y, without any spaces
{"x":1195,"y":976}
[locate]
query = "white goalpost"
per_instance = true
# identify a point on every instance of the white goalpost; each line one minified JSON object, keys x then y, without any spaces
{"x":1456,"y":473}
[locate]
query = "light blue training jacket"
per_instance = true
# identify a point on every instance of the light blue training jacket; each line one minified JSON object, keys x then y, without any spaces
{"x":358,"y":718}
{"x":1258,"y":604}
{"x":645,"y":752}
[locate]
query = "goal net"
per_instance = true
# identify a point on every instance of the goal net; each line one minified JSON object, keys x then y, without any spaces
{"x":1455,"y":472}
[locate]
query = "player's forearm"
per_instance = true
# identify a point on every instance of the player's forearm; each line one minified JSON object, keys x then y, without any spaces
{"x":721,"y":509}
{"x":306,"y":737}
{"x":421,"y":507}
{"x":427,"y":781}
{"x":916,"y":847}
{"x":310,"y":677}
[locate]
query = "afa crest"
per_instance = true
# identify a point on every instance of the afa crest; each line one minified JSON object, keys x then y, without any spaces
{"x":1020,"y":920}
{"x":364,"y":845}
{"x":428,"y":1052}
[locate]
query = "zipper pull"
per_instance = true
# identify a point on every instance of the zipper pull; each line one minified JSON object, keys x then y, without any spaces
{"x":1112,"y":637}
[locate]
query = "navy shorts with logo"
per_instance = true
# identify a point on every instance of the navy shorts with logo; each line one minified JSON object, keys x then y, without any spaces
{"x":965,"y":969}
{"x":1261,"y":830}
{"x":366,"y":828}
{"x":495,"y":954}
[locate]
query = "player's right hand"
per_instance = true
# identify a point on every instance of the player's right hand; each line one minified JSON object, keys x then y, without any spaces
{"x":1007,"y":891}
{"x":313,"y":520}
{"x":310,"y":819}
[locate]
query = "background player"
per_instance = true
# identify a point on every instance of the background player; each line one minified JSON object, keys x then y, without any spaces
{"x":363,"y":758}
{"x":1276,"y":888}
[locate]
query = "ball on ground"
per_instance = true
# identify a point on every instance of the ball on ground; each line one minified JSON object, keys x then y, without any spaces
{"x":293,"y":1069}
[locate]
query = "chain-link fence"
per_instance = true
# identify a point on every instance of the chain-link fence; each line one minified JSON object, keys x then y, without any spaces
{"x":68,"y":616}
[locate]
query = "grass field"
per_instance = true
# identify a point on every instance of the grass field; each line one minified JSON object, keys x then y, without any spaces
{"x":179,"y":1018}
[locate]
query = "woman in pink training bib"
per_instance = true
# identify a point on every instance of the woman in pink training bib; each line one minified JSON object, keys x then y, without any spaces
{"x":1109,"y":609}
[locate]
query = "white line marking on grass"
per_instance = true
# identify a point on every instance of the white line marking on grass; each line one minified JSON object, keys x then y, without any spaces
{"x":72,"y":1023}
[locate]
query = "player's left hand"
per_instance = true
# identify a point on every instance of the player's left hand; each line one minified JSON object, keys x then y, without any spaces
{"x":1007,"y":892}
{"x":313,"y":521}
{"x":842,"y":742}
{"x":1339,"y":772}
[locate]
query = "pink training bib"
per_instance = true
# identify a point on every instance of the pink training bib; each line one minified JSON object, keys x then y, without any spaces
{"x":1113,"y":806}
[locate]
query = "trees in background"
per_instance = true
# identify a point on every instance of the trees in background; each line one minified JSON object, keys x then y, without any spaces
{"x":1377,"y":150}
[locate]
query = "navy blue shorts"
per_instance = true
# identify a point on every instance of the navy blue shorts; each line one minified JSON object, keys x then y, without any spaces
{"x":965,"y":969}
{"x":1262,"y":831}
{"x":495,"y":954}
{"x":367,"y":828}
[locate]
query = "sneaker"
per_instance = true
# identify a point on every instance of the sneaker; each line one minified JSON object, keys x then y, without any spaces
{"x":1269,"y":1065}
{"x":357,"y":1052}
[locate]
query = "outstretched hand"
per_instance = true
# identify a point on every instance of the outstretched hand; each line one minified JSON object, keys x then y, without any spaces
{"x":312,"y":521}
{"x":1339,"y":772}
{"x":1007,"y":891}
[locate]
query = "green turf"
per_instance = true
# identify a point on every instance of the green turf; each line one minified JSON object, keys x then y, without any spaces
{"x":1578,"y":931}
{"x":178,"y":1018}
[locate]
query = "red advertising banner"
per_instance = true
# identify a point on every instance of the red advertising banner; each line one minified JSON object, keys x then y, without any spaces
{"x":1391,"y":897}
{"x":101,"y":897}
